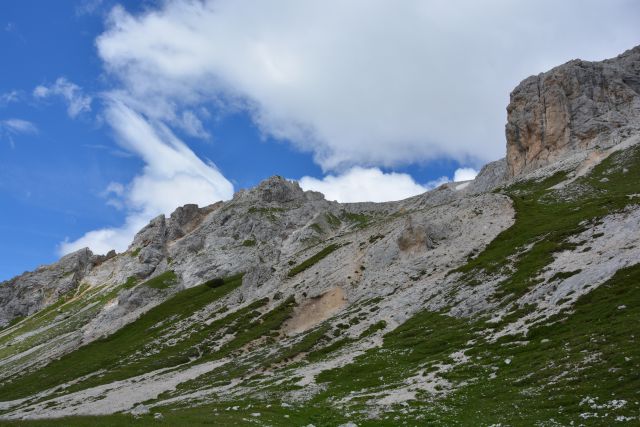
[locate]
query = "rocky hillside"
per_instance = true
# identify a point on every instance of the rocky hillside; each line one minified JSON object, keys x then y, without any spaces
{"x":513,"y":299}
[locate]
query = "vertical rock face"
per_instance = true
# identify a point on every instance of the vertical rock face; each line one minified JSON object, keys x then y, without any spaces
{"x":576,"y":106}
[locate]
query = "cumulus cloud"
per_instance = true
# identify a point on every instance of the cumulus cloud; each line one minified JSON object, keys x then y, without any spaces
{"x":173,"y":176}
{"x":372,"y":185}
{"x":464,"y":174}
{"x":372,"y":82}
{"x":359,"y":184}
{"x":77,"y":101}
{"x":103,"y":240}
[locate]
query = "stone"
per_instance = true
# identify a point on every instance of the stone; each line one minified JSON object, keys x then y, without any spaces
{"x":577,"y":106}
{"x":414,"y":237}
{"x":32,"y":291}
{"x":491,"y":176}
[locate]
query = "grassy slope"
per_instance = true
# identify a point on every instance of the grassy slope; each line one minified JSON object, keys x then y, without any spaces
{"x":111,"y":353}
{"x":590,"y":352}
{"x":546,"y":221}
{"x":309,"y":262}
{"x":528,"y":390}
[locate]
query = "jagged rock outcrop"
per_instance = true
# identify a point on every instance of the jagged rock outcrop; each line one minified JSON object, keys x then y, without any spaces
{"x":573,"y":107}
{"x":491,"y":175}
{"x":31,"y":291}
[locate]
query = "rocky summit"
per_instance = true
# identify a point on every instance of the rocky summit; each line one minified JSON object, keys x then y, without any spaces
{"x":512,"y":299}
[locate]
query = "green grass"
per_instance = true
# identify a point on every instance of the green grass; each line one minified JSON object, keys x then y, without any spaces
{"x":162,"y":281}
{"x":360,"y":220}
{"x":247,"y":325}
{"x":214,"y":414}
{"x":112,"y":353}
{"x":332,"y":220}
{"x":546,"y":220}
{"x":15,"y":321}
{"x":592,"y":352}
{"x":423,"y":339}
{"x":249,"y":243}
{"x":269,"y":213}
{"x":316,"y":227}
{"x":309,"y":262}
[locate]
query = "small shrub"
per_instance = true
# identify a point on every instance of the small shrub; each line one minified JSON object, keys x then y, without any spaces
{"x":214,"y":283}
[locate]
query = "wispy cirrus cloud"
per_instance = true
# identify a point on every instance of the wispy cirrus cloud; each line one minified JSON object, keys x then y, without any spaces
{"x":172,"y":176}
{"x":77,"y":101}
{"x":16,"y":126}
{"x":9,"y":128}
{"x":9,"y":97}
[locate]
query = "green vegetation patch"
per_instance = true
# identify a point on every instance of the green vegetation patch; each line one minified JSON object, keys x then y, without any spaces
{"x":577,"y":363}
{"x":316,"y":227}
{"x":546,"y":219}
{"x":114,"y":353}
{"x":162,"y":281}
{"x":424,"y":339}
{"x":269,"y":213}
{"x":332,"y":220}
{"x":359,"y":219}
{"x":313,"y":259}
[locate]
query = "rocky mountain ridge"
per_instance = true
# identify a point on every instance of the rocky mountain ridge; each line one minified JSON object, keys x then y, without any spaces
{"x":512,"y":299}
{"x":574,"y":107}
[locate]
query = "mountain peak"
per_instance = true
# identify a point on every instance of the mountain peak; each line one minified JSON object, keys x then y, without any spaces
{"x":577,"y":106}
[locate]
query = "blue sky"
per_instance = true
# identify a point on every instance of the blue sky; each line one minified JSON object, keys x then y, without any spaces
{"x":113,"y":112}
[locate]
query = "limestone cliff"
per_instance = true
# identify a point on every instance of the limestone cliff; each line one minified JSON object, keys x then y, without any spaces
{"x":576,"y":106}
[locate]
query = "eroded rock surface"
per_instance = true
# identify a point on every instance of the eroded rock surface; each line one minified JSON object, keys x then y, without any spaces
{"x":576,"y":106}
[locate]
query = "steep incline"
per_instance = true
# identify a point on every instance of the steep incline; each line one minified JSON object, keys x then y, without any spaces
{"x":512,"y":302}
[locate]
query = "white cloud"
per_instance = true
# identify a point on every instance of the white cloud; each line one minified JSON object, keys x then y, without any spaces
{"x":9,"y":97}
{"x":18,"y":126}
{"x":464,"y":174}
{"x":191,"y":124}
{"x":77,"y":101}
{"x":360,"y":185}
{"x":173,"y":176}
{"x":103,"y":240}
{"x":11,"y":127}
{"x":88,"y":7}
{"x":372,"y":185}
{"x":361,"y":82}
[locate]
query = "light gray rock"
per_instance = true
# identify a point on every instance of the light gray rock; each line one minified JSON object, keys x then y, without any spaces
{"x":573,"y":107}
{"x":32,"y":291}
{"x":491,"y":176}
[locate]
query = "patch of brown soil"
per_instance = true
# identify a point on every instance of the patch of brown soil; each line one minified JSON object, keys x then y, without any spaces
{"x":315,"y":310}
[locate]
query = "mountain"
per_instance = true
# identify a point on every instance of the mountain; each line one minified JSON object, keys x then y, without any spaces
{"x":512,"y":299}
